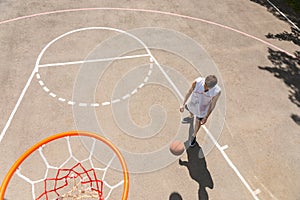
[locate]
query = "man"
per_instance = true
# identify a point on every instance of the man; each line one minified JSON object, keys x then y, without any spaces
{"x":205,"y":93}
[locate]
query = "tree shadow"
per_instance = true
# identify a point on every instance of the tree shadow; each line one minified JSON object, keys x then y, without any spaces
{"x":287,"y":68}
{"x":296,"y":118}
{"x":293,"y":15}
{"x":293,"y":36}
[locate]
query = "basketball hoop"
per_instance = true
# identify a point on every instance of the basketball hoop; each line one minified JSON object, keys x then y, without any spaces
{"x":75,"y":182}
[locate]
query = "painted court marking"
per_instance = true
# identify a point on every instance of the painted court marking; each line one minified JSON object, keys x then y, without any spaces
{"x":92,"y":61}
{"x":230,"y":163}
{"x":35,"y":70}
{"x":292,"y":23}
{"x":93,"y":104}
{"x":83,"y":104}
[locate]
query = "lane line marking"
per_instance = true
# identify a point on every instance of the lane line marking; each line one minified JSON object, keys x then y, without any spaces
{"x":257,"y":191}
{"x":230,"y":163}
{"x":122,"y":9}
{"x":95,"y":104}
{"x":224,"y":147}
{"x":3,"y":132}
{"x":83,"y":104}
{"x":96,"y":60}
{"x":92,"y":61}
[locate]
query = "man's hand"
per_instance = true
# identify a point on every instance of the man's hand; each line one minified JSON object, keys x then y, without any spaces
{"x":181,"y":109}
{"x":203,"y":121}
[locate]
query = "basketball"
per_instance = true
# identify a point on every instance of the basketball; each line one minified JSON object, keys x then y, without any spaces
{"x":177,"y":148}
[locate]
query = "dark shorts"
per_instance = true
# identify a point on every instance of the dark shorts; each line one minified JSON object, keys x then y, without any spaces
{"x":198,"y":118}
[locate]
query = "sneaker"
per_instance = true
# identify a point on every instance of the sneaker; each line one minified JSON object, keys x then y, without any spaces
{"x":192,"y":141}
{"x":187,"y":120}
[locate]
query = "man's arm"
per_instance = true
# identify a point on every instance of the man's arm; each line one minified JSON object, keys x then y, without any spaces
{"x":188,"y":94}
{"x":211,"y":107}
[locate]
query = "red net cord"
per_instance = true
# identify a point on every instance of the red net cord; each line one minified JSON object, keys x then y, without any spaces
{"x":63,"y":178}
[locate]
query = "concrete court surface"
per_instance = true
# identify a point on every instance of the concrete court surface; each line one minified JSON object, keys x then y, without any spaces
{"x":263,"y":141}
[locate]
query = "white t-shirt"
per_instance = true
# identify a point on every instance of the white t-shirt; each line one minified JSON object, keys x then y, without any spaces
{"x":199,"y":101}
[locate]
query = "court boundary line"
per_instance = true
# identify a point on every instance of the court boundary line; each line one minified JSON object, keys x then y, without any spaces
{"x":290,"y":21}
{"x":149,"y":11}
{"x":124,"y":9}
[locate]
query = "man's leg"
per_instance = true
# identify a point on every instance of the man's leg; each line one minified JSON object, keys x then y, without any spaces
{"x":197,"y":126}
{"x":196,"y":129}
{"x":189,"y":118}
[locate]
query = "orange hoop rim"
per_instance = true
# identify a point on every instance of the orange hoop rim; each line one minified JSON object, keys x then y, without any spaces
{"x":20,"y":160}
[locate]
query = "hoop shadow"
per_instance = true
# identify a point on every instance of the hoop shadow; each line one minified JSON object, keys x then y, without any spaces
{"x":196,"y":164}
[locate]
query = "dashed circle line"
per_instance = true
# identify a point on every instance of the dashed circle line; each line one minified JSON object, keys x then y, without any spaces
{"x":105,"y":103}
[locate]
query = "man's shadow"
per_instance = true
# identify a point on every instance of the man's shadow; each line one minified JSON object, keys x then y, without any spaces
{"x":197,"y":167}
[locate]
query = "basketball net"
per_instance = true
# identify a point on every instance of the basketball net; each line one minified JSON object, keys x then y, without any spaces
{"x":77,"y":182}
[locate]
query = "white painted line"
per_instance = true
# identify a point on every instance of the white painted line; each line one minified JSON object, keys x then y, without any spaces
{"x":41,"y":83}
{"x":61,"y":99}
{"x":95,"y":104}
{"x":146,"y":79}
{"x":151,"y":59}
{"x":71,"y":103}
{"x":168,"y":78}
{"x":3,"y":132}
{"x":149,"y":72}
{"x":142,"y":85}
{"x":140,"y":10}
{"x":257,"y":191}
{"x":46,"y":89}
{"x":105,"y":103}
{"x":292,"y":23}
{"x":151,"y":65}
{"x":116,"y":100}
{"x":52,"y":94}
{"x":126,"y":96}
{"x":38,"y":65}
{"x":83,"y":104}
{"x":134,"y":91}
{"x":231,"y":164}
{"x":92,"y":61}
{"x":210,"y":135}
{"x":38,"y":76}
{"x":224,"y":147}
